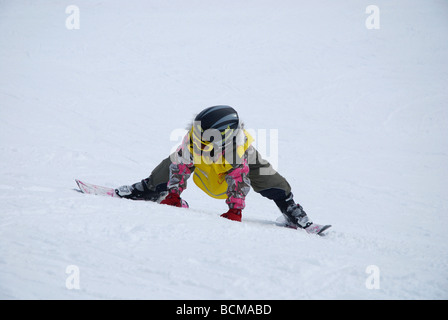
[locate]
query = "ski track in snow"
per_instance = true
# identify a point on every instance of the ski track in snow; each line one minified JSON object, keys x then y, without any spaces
{"x":362,"y":126}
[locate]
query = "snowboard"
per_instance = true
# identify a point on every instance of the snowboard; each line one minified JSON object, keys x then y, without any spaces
{"x":89,"y":188}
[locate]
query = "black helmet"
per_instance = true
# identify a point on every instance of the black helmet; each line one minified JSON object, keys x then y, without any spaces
{"x":217,"y":118}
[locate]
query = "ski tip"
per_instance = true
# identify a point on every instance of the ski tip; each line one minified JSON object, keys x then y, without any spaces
{"x":81,"y":186}
{"x":78,"y":183}
{"x":324,"y":228}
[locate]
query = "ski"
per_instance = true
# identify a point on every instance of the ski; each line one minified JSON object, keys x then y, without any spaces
{"x":94,"y":189}
{"x":318,"y":229}
{"x":315,"y":228}
{"x":89,"y":188}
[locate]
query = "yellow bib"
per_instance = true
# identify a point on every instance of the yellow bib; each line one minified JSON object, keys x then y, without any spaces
{"x":211,"y":176}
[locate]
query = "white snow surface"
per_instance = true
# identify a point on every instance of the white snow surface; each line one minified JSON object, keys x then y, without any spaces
{"x":362,"y":120}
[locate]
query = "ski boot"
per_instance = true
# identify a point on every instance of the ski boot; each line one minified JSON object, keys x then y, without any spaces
{"x":293,"y":212}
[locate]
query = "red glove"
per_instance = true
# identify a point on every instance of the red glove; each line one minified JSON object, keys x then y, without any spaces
{"x":172,"y":199}
{"x":233,"y":214}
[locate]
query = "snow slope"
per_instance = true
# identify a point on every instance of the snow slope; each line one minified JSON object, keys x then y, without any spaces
{"x":362,"y":122}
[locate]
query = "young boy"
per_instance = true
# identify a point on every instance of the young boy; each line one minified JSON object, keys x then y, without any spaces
{"x":218,"y":151}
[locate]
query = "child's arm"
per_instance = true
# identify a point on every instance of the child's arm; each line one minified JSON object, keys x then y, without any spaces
{"x":238,"y":187}
{"x":180,"y":170}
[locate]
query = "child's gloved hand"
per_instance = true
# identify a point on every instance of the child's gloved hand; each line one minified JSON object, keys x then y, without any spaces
{"x":172,"y":199}
{"x":233,"y":214}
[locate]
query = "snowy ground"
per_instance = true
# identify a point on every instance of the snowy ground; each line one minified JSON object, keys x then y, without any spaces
{"x":362,"y":120}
